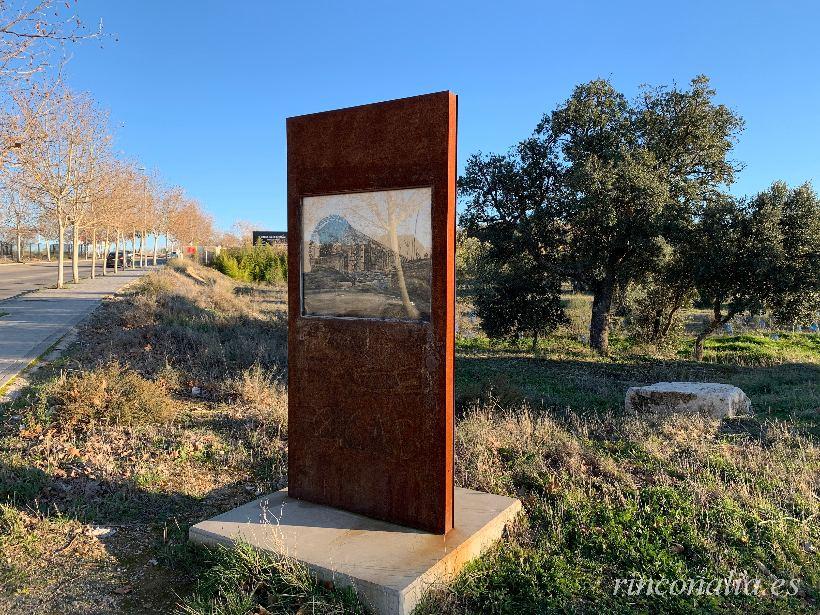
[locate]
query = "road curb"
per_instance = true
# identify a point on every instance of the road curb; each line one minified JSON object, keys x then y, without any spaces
{"x":20,"y":294}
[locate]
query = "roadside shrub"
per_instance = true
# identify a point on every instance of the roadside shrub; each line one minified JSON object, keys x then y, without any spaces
{"x":227,"y":264}
{"x":178,"y":264}
{"x":110,"y":394}
{"x":154,"y":284}
{"x":262,"y":263}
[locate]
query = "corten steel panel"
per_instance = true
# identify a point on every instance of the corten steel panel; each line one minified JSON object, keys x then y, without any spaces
{"x":370,"y":412}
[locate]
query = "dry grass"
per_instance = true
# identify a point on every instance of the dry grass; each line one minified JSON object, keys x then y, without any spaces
{"x":109,"y":394}
{"x":30,"y":541}
{"x":262,"y":395}
{"x":761,"y":463}
{"x":169,"y":409}
{"x":203,"y":325}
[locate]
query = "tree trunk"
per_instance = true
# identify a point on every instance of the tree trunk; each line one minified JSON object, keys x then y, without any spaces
{"x":48,"y":251}
{"x":601,"y":308}
{"x":75,"y":253}
{"x":534,"y":341}
{"x":411,"y":310}
{"x":134,"y":249}
{"x":143,"y":255}
{"x":657,"y":326}
{"x":106,"y":244}
{"x":713,"y":325}
{"x":117,"y":252}
{"x":94,"y":253}
{"x":19,"y":245}
{"x":156,"y":242}
{"x":60,"y":253}
{"x":667,"y":326}
{"x":699,"y":340}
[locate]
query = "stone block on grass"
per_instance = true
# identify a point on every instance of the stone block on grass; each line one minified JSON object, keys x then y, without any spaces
{"x":710,"y":398}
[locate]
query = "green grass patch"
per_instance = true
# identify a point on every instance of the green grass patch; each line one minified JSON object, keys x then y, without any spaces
{"x":781,"y":376}
{"x":757,"y":349}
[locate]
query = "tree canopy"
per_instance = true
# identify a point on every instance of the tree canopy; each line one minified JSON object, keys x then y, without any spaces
{"x":603,"y":186}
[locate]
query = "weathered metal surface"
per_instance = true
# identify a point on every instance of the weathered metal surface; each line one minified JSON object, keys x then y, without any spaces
{"x":370,"y":414}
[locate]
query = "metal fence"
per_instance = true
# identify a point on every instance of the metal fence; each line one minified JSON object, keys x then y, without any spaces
{"x":34,"y":251}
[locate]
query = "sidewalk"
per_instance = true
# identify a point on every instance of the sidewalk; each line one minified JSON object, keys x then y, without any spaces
{"x":34,"y":322}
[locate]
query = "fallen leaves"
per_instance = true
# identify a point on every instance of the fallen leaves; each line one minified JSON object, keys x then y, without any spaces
{"x":32,"y":432}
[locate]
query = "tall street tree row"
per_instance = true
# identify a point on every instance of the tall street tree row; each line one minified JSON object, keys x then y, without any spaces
{"x":64,"y":178}
{"x":59,"y":178}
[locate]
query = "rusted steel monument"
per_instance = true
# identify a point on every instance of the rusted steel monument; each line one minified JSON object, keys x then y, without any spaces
{"x":371,"y":246}
{"x":371,"y":300}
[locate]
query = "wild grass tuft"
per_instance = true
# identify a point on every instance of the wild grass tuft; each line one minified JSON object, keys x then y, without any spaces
{"x":261,"y":395}
{"x":242,"y":580}
{"x":110,"y":394}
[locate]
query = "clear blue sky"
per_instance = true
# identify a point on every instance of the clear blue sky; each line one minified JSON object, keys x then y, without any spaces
{"x":202,"y":89}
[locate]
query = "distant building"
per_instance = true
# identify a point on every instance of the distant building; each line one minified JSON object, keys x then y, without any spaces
{"x":351,"y":258}
{"x":270,"y":237}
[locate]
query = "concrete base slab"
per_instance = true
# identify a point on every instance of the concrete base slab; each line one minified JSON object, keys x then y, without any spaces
{"x":389,"y":566}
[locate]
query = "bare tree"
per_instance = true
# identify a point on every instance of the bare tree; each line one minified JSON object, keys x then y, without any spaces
{"x":17,"y":213}
{"x":58,"y":140}
{"x":30,"y":33}
{"x":243,"y":229}
{"x":381,"y":215}
{"x":190,"y":225}
{"x":90,"y":152}
{"x":169,"y":207}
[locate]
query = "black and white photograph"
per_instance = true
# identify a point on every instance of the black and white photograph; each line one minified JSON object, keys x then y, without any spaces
{"x":367,"y":254}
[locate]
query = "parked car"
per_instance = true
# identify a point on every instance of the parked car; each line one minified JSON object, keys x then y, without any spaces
{"x":109,"y":260}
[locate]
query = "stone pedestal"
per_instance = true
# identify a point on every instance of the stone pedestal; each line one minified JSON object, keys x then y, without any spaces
{"x":389,"y":566}
{"x":711,"y":398}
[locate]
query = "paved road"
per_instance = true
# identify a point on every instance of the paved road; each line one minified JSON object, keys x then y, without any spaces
{"x":20,"y":277}
{"x":35,"y":321}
